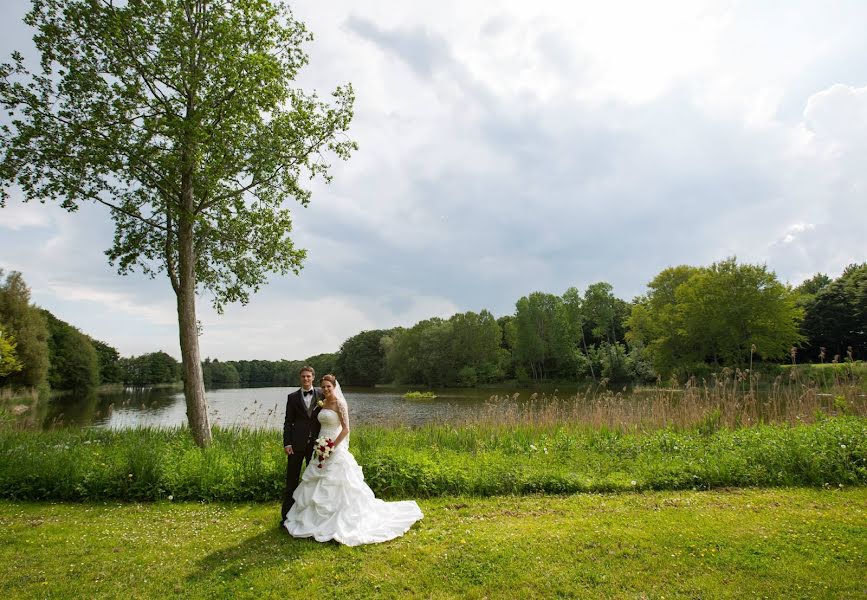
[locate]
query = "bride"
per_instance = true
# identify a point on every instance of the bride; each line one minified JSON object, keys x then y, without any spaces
{"x":332,"y":502}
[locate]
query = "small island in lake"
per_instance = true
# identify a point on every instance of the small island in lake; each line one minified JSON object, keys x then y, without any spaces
{"x":420,"y":396}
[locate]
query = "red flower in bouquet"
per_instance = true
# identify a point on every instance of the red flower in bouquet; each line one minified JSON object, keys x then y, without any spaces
{"x":323,"y":449}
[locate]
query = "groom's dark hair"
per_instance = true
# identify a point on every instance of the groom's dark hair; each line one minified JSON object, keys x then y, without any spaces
{"x":306,"y":368}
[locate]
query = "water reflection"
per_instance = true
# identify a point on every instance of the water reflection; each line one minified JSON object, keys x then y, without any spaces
{"x":74,"y":409}
{"x":263,"y":407}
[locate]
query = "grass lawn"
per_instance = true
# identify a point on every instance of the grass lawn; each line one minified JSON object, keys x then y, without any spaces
{"x":768,"y":543}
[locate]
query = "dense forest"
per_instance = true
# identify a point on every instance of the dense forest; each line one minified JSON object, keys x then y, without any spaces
{"x":38,"y":350}
{"x":690,"y":321}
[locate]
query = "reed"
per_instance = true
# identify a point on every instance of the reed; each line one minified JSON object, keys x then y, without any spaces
{"x":8,"y":394}
{"x":730,"y":399}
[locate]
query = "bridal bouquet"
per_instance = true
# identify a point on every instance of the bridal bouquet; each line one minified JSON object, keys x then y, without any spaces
{"x":323,"y":449}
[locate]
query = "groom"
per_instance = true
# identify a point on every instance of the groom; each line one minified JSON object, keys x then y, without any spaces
{"x":300,"y":429}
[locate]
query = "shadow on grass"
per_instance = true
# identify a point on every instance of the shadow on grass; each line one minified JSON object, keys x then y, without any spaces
{"x":261,"y":552}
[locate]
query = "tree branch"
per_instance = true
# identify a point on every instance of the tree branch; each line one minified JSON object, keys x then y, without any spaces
{"x":143,"y":73}
{"x":152,"y":177}
{"x":264,"y":181}
{"x":171,"y":268}
{"x":128,"y":213}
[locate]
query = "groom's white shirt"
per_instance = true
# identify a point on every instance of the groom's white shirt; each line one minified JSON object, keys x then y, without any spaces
{"x":307,"y":400}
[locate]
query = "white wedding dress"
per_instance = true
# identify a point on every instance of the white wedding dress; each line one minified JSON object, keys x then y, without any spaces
{"x":334,"y":503}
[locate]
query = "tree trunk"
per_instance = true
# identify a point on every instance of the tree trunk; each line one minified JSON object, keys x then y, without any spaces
{"x":586,"y":353}
{"x":194,"y":386}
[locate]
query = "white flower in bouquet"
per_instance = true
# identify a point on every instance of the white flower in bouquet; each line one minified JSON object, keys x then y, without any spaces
{"x":323,"y":449}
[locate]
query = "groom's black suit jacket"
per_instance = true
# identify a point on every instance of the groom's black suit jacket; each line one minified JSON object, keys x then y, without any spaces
{"x":299,"y":428}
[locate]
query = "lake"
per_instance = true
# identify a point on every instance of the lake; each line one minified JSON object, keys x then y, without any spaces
{"x":263,"y":407}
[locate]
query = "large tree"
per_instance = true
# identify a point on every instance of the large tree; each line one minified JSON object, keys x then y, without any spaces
{"x":475,"y":347}
{"x":361,"y":358}
{"x":541,"y":336}
{"x":604,"y":313}
{"x":422,"y":353}
{"x":9,"y":362}
{"x":654,"y":320}
{"x":109,"y":367}
{"x":716,"y":314}
{"x":27,"y":326}
{"x":74,"y":363}
{"x":573,"y":308}
{"x":149,"y":369}
{"x":180,"y":117}
{"x":836,"y":315}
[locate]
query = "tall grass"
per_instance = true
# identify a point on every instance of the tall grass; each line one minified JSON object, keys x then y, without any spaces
{"x":142,"y":463}
{"x":483,"y":460}
{"x":731,"y":399}
{"x":734,"y":429}
{"x":8,"y":393}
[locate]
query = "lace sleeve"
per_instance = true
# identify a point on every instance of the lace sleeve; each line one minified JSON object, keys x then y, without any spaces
{"x":343,"y":413}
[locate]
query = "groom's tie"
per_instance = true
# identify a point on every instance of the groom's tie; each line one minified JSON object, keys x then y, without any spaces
{"x":308,"y":399}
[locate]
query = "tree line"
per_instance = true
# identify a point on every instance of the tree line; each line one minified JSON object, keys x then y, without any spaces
{"x":38,"y":350}
{"x":690,"y":321}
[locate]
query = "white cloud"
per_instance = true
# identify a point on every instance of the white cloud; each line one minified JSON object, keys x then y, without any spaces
{"x":18,"y":215}
{"x":793,"y":231}
{"x":304,"y":325}
{"x":106,"y":300}
{"x":838,"y":116}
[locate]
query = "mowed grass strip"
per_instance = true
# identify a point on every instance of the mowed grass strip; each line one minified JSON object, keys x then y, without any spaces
{"x":778,"y":543}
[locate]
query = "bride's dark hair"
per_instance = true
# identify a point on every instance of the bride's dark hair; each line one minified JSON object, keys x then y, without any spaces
{"x":330,"y":378}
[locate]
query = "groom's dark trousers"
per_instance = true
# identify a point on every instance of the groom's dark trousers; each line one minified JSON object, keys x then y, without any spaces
{"x":300,"y":429}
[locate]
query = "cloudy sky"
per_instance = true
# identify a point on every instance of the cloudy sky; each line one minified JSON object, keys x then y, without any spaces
{"x":509,"y":147}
